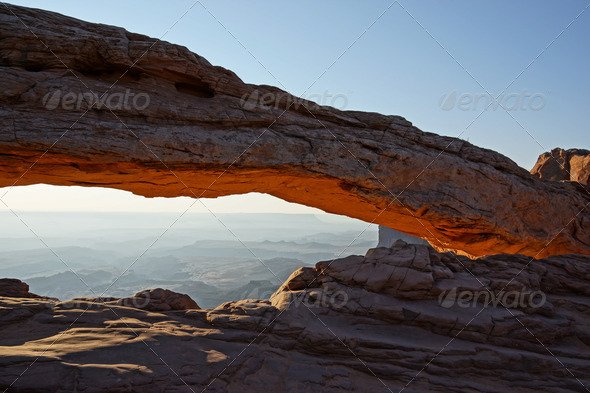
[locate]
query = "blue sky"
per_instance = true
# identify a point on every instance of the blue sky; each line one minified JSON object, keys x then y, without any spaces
{"x":426,"y":61}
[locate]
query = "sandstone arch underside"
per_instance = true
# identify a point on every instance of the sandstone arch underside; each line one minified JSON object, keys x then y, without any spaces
{"x":201,"y":118}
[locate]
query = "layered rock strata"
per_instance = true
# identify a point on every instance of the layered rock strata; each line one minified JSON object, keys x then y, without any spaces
{"x":109,"y":108}
{"x":564,"y":165}
{"x":402,"y":318}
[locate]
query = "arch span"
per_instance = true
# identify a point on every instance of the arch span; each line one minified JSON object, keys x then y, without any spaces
{"x":175,"y":125}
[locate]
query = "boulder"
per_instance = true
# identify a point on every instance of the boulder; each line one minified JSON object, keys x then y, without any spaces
{"x":12,"y":287}
{"x":159,"y":299}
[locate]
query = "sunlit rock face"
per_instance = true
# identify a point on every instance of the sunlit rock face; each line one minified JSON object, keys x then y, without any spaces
{"x":356,"y":324}
{"x":559,"y":164}
{"x":175,"y":125}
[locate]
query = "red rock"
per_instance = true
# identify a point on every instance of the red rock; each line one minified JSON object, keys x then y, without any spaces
{"x":159,"y":300}
{"x":559,"y":164}
{"x":12,"y":287}
{"x":351,"y":325}
{"x":200,"y":118}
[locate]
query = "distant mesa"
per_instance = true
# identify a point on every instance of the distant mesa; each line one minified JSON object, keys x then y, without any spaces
{"x":388,"y":236}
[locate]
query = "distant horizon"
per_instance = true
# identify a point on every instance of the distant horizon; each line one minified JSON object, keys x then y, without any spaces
{"x":83,"y":199}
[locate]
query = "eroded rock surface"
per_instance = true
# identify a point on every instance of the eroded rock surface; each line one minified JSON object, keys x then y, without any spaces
{"x":397,"y":318}
{"x":560,"y":164}
{"x":221,"y":136}
{"x":159,"y":299}
{"x":12,"y":287}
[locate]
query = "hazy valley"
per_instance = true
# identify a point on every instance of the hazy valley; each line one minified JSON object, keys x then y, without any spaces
{"x":198,"y":256}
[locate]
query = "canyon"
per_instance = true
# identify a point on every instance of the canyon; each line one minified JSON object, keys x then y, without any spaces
{"x":404,"y":318}
{"x":494,"y":296}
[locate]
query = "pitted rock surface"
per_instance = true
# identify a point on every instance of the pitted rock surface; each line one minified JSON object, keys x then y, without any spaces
{"x":175,"y":125}
{"x":394,"y":319}
{"x":560,"y":164}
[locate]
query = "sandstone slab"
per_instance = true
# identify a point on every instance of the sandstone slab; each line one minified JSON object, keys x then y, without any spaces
{"x":351,"y":325}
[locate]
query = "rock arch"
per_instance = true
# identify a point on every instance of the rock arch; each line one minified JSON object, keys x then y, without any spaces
{"x":200,"y":118}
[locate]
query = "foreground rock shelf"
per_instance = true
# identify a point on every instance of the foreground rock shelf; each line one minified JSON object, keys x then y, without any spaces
{"x":357,"y":324}
{"x":196,"y":119}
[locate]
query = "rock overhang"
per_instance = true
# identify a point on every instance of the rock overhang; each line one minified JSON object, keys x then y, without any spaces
{"x":204,"y":133}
